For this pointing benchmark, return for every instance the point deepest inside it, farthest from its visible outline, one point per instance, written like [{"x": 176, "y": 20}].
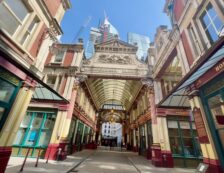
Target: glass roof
[
  {"x": 43, "y": 93},
  {"x": 121, "y": 92},
  {"x": 179, "y": 97}
]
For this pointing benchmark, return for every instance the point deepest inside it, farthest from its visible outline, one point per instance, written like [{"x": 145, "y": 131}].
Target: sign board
[
  {"x": 202, "y": 134},
  {"x": 202, "y": 168}
]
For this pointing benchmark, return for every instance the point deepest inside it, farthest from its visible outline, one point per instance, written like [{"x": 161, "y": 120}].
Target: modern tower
[
  {"x": 142, "y": 42},
  {"x": 105, "y": 32}
]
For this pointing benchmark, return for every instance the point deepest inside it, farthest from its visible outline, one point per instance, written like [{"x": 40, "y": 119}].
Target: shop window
[
  {"x": 8, "y": 91},
  {"x": 211, "y": 22},
  {"x": 35, "y": 130},
  {"x": 183, "y": 138},
  {"x": 16, "y": 13}
]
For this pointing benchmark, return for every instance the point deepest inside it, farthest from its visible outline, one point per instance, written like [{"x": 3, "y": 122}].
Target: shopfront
[
  {"x": 184, "y": 142},
  {"x": 150, "y": 139},
  {"x": 79, "y": 133},
  {"x": 212, "y": 96},
  {"x": 34, "y": 133},
  {"x": 142, "y": 140},
  {"x": 10, "y": 85}
]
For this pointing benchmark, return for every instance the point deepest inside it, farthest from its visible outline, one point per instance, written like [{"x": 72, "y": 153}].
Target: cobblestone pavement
[
  {"x": 89, "y": 161},
  {"x": 121, "y": 162},
  {"x": 15, "y": 163}
]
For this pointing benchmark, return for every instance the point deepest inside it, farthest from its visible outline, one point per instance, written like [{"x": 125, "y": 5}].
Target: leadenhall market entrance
[{"x": 212, "y": 96}]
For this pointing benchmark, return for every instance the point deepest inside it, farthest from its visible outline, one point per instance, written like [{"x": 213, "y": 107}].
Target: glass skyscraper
[
  {"x": 105, "y": 32},
  {"x": 142, "y": 42}
]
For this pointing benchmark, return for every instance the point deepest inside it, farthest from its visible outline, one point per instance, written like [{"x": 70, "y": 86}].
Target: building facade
[
  {"x": 26, "y": 34},
  {"x": 187, "y": 64}
]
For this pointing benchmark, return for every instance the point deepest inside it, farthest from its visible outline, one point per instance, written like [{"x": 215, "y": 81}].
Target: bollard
[
  {"x": 24, "y": 162},
  {"x": 48, "y": 155},
  {"x": 37, "y": 158}
]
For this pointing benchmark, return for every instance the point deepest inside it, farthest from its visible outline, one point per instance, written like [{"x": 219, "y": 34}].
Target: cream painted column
[
  {"x": 146, "y": 135},
  {"x": 15, "y": 117},
  {"x": 208, "y": 149},
  {"x": 134, "y": 138},
  {"x": 163, "y": 133},
  {"x": 76, "y": 128}
]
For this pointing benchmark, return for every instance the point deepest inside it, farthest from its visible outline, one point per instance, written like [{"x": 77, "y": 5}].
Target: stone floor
[{"x": 88, "y": 161}]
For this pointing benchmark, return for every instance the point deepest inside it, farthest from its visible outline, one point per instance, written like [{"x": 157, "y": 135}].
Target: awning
[
  {"x": 44, "y": 93},
  {"x": 178, "y": 97}
]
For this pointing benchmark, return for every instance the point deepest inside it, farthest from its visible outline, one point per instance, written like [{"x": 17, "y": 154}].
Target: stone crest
[{"x": 114, "y": 59}]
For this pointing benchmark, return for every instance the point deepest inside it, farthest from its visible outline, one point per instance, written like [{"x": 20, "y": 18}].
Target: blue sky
[{"x": 138, "y": 16}]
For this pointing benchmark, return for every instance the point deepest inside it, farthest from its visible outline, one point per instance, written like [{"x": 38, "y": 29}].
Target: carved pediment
[
  {"x": 115, "y": 45},
  {"x": 114, "y": 59}
]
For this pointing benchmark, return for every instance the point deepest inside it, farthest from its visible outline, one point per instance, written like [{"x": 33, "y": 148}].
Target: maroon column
[
  {"x": 5, "y": 153},
  {"x": 157, "y": 155},
  {"x": 149, "y": 153},
  {"x": 213, "y": 166}
]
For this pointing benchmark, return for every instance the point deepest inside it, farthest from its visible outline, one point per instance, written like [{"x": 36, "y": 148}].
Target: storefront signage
[
  {"x": 9, "y": 77},
  {"x": 210, "y": 74},
  {"x": 219, "y": 67},
  {"x": 202, "y": 134}
]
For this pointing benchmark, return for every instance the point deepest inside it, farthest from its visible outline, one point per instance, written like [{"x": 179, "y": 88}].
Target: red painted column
[{"x": 5, "y": 153}]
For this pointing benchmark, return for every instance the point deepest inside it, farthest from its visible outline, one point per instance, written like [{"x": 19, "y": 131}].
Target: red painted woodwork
[
  {"x": 5, "y": 153},
  {"x": 200, "y": 126},
  {"x": 149, "y": 153},
  {"x": 52, "y": 151},
  {"x": 210, "y": 74},
  {"x": 167, "y": 159},
  {"x": 38, "y": 41},
  {"x": 166, "y": 112},
  {"x": 187, "y": 48},
  {"x": 213, "y": 166},
  {"x": 161, "y": 158},
  {"x": 68, "y": 58},
  {"x": 156, "y": 155}
]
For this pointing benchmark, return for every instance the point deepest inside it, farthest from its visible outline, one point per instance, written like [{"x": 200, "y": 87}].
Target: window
[
  {"x": 51, "y": 80},
  {"x": 211, "y": 23},
  {"x": 16, "y": 13},
  {"x": 35, "y": 131},
  {"x": 194, "y": 41},
  {"x": 8, "y": 91},
  {"x": 183, "y": 137},
  {"x": 29, "y": 30},
  {"x": 59, "y": 56}
]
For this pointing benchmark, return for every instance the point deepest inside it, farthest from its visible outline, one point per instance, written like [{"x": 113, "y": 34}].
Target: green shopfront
[
  {"x": 34, "y": 133},
  {"x": 212, "y": 96},
  {"x": 10, "y": 85},
  {"x": 184, "y": 142}
]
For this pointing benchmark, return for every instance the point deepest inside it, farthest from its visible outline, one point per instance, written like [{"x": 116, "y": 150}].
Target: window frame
[
  {"x": 181, "y": 138},
  {"x": 207, "y": 37},
  {"x": 62, "y": 59},
  {"x": 36, "y": 144}
]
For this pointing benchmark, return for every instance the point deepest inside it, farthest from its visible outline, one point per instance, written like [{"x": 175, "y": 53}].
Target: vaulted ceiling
[{"x": 111, "y": 91}]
